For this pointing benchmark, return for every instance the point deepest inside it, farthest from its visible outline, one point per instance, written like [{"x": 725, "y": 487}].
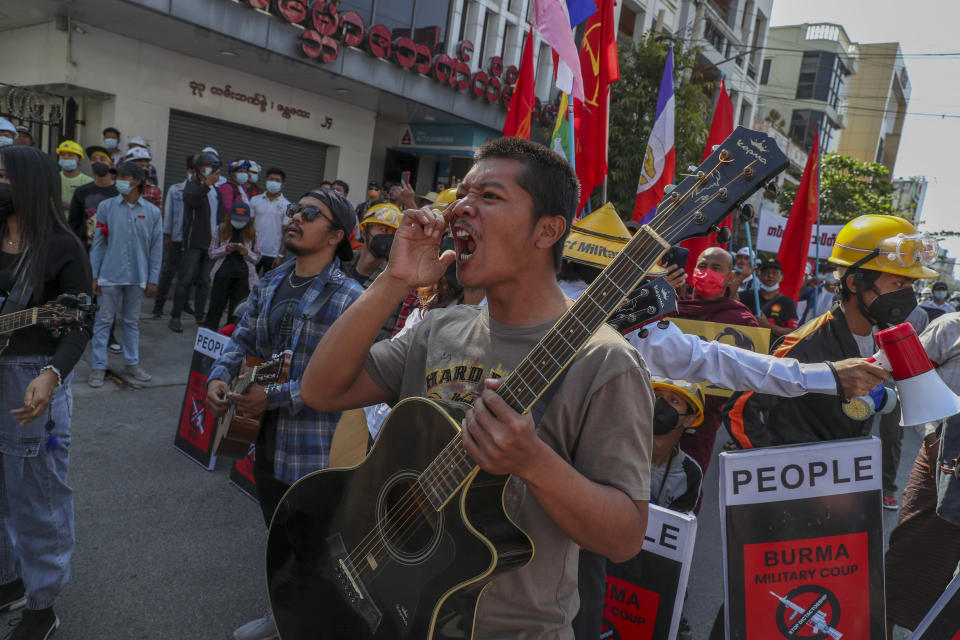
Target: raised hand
[{"x": 414, "y": 257}]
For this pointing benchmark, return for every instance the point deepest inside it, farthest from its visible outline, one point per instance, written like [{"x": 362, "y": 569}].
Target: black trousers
[
  {"x": 171, "y": 263},
  {"x": 227, "y": 292},
  {"x": 194, "y": 267},
  {"x": 265, "y": 264},
  {"x": 269, "y": 489},
  {"x": 891, "y": 443}
]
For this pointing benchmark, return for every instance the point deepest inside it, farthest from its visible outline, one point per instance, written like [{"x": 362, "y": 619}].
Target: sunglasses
[{"x": 309, "y": 213}]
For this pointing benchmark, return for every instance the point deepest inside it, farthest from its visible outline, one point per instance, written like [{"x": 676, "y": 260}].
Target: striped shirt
[{"x": 304, "y": 435}]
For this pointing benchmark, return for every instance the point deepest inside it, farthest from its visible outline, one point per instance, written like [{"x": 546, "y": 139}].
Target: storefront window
[
  {"x": 363, "y": 7},
  {"x": 396, "y": 15},
  {"x": 430, "y": 22}
]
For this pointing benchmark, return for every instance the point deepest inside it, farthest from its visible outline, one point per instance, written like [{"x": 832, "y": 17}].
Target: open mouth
[
  {"x": 465, "y": 242},
  {"x": 293, "y": 229}
]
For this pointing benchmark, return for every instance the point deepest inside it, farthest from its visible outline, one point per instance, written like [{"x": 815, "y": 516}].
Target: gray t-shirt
[{"x": 592, "y": 422}]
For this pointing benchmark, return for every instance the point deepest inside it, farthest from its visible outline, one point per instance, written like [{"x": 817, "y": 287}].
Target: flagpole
[
  {"x": 817, "y": 253},
  {"x": 606, "y": 150},
  {"x": 753, "y": 266}
]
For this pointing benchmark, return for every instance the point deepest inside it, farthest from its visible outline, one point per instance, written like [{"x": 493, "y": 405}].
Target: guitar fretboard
[
  {"x": 530, "y": 379},
  {"x": 18, "y": 320}
]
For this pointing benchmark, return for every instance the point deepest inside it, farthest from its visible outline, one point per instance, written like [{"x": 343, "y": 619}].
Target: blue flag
[{"x": 580, "y": 10}]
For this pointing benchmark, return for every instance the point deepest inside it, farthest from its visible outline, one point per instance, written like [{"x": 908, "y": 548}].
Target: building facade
[
  {"x": 879, "y": 96},
  {"x": 908, "y": 197},
  {"x": 805, "y": 82},
  {"x": 358, "y": 89}
]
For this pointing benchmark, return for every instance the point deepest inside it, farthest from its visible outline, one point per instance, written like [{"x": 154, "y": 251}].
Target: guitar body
[
  {"x": 350, "y": 555},
  {"x": 238, "y": 429}
]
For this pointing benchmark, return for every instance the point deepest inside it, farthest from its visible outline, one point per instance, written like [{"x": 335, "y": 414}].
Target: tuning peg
[
  {"x": 667, "y": 190},
  {"x": 772, "y": 188},
  {"x": 723, "y": 235},
  {"x": 643, "y": 333},
  {"x": 691, "y": 168},
  {"x": 747, "y": 212},
  {"x": 714, "y": 148}
]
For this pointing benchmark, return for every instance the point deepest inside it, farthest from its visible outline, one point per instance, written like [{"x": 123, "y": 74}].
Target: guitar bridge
[{"x": 347, "y": 578}]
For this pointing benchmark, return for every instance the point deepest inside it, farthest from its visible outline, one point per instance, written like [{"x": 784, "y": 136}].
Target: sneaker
[
  {"x": 36, "y": 624},
  {"x": 137, "y": 372},
  {"x": 115, "y": 348},
  {"x": 889, "y": 502},
  {"x": 260, "y": 629},
  {"x": 95, "y": 379},
  {"x": 12, "y": 596}
]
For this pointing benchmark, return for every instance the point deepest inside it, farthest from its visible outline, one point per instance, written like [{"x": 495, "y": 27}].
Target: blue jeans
[
  {"x": 127, "y": 299},
  {"x": 36, "y": 505}
]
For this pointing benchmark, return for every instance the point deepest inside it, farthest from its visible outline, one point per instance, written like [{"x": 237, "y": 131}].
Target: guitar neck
[
  {"x": 536, "y": 372},
  {"x": 18, "y": 320}
]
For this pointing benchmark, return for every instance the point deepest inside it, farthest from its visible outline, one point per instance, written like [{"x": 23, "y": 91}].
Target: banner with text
[
  {"x": 803, "y": 541},
  {"x": 770, "y": 230},
  {"x": 943, "y": 620},
  {"x": 753, "y": 339},
  {"x": 644, "y": 596},
  {"x": 196, "y": 428}
]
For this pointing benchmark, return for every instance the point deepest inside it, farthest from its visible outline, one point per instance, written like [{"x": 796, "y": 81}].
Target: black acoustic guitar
[
  {"x": 401, "y": 546},
  {"x": 57, "y": 316}
]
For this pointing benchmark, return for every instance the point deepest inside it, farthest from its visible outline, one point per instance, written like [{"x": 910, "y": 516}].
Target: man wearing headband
[{"x": 291, "y": 308}]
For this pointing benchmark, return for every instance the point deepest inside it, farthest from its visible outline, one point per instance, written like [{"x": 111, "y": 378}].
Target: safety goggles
[
  {"x": 901, "y": 250},
  {"x": 308, "y": 213}
]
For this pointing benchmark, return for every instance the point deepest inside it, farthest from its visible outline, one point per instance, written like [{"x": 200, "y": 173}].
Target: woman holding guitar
[{"x": 40, "y": 259}]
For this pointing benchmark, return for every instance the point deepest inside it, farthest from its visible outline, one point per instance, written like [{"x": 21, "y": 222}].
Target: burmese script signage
[
  {"x": 257, "y": 100},
  {"x": 325, "y": 31}
]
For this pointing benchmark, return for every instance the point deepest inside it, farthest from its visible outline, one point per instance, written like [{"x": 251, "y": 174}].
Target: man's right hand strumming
[
  {"x": 414, "y": 260},
  {"x": 217, "y": 402}
]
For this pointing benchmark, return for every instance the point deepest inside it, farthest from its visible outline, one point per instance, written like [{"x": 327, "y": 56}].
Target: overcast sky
[{"x": 930, "y": 144}]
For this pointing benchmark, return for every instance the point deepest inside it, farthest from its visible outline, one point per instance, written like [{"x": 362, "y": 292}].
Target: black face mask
[
  {"x": 665, "y": 418},
  {"x": 100, "y": 169},
  {"x": 6, "y": 201},
  {"x": 380, "y": 245},
  {"x": 889, "y": 309}
]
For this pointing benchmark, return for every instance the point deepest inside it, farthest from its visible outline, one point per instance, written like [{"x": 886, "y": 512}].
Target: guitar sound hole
[{"x": 408, "y": 524}]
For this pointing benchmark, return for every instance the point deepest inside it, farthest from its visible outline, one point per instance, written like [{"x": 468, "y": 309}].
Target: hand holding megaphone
[{"x": 923, "y": 395}]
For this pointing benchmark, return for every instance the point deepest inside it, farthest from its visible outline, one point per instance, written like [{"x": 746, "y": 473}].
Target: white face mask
[
  {"x": 273, "y": 186},
  {"x": 254, "y": 177},
  {"x": 771, "y": 287}
]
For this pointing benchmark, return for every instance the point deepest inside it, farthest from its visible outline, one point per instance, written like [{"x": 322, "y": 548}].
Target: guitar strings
[
  {"x": 460, "y": 455},
  {"x": 410, "y": 502}
]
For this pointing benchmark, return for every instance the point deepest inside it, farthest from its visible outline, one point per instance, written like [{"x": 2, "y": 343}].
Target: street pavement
[{"x": 167, "y": 550}]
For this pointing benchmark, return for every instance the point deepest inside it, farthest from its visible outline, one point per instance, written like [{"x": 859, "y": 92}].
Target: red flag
[
  {"x": 521, "y": 103},
  {"x": 720, "y": 130},
  {"x": 795, "y": 244},
  {"x": 600, "y": 67}
]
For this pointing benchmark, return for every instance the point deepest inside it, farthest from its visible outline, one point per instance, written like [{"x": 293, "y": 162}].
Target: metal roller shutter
[{"x": 303, "y": 161}]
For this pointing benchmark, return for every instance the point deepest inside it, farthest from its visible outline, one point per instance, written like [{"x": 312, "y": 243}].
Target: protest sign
[
  {"x": 803, "y": 541},
  {"x": 644, "y": 596},
  {"x": 241, "y": 474},
  {"x": 750, "y": 338},
  {"x": 195, "y": 430},
  {"x": 771, "y": 227}
]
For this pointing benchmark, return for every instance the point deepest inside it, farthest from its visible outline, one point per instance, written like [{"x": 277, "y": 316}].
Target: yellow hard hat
[
  {"x": 885, "y": 243},
  {"x": 69, "y": 146},
  {"x": 597, "y": 238},
  {"x": 691, "y": 391},
  {"x": 444, "y": 198},
  {"x": 383, "y": 213}
]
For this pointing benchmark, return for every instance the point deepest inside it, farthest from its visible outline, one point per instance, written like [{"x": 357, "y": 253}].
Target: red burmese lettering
[
  {"x": 493, "y": 90},
  {"x": 460, "y": 79},
  {"x": 352, "y": 29},
  {"x": 511, "y": 75},
  {"x": 323, "y": 16},
  {"x": 258, "y": 4},
  {"x": 464, "y": 49},
  {"x": 442, "y": 69},
  {"x": 505, "y": 96},
  {"x": 495, "y": 66},
  {"x": 378, "y": 41},
  {"x": 479, "y": 84},
  {"x": 311, "y": 43},
  {"x": 293, "y": 11},
  {"x": 404, "y": 52},
  {"x": 423, "y": 60},
  {"x": 549, "y": 115}
]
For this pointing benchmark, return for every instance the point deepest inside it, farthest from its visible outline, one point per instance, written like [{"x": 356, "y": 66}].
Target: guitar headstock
[
  {"x": 67, "y": 310},
  {"x": 275, "y": 370},
  {"x": 738, "y": 167},
  {"x": 647, "y": 303}
]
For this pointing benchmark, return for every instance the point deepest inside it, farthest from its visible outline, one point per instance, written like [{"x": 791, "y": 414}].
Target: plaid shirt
[
  {"x": 303, "y": 435},
  {"x": 152, "y": 194}
]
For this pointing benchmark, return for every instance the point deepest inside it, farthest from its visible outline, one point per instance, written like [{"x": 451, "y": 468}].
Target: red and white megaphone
[{"x": 923, "y": 395}]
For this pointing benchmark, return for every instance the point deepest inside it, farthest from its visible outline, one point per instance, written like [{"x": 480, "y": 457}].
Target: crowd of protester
[{"x": 218, "y": 238}]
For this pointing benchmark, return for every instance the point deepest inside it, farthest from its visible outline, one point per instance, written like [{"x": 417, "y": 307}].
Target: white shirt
[
  {"x": 944, "y": 306},
  {"x": 671, "y": 353},
  {"x": 268, "y": 217}
]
